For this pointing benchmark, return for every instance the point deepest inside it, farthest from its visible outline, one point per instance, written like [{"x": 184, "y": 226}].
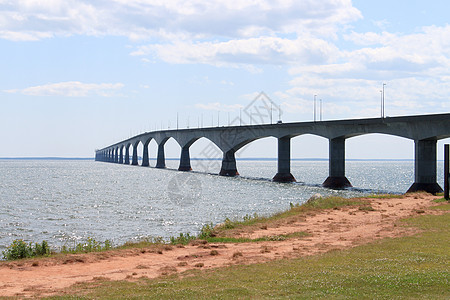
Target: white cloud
[
  {"x": 312, "y": 38},
  {"x": 235, "y": 33},
  {"x": 414, "y": 66},
  {"x": 138, "y": 19},
  {"x": 261, "y": 50},
  {"x": 70, "y": 89}
]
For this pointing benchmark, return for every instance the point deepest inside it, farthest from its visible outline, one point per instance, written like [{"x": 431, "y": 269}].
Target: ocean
[{"x": 68, "y": 201}]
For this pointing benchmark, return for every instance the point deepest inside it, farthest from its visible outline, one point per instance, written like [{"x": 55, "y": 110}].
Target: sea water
[{"x": 65, "y": 202}]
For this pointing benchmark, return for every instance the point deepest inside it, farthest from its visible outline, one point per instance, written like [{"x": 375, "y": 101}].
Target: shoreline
[{"x": 325, "y": 230}]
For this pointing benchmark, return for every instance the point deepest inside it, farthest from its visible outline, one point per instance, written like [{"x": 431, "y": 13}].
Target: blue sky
[{"x": 79, "y": 75}]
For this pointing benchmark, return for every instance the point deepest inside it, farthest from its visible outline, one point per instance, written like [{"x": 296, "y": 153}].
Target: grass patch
[
  {"x": 91, "y": 245},
  {"x": 440, "y": 200},
  {"x": 295, "y": 210},
  {"x": 415, "y": 267},
  {"x": 281, "y": 237},
  {"x": 385, "y": 196},
  {"x": 19, "y": 249},
  {"x": 444, "y": 206}
]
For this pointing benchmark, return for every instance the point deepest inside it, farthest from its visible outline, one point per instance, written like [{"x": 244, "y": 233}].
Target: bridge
[{"x": 425, "y": 130}]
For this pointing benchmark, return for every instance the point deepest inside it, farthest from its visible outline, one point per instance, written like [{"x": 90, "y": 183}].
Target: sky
[{"x": 76, "y": 76}]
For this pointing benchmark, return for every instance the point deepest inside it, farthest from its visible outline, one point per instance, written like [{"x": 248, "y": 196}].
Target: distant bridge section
[{"x": 425, "y": 130}]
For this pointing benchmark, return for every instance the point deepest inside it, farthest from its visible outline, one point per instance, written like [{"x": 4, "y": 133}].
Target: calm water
[{"x": 66, "y": 201}]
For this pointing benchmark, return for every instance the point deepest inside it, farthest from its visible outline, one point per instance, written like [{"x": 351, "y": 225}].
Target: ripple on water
[{"x": 73, "y": 200}]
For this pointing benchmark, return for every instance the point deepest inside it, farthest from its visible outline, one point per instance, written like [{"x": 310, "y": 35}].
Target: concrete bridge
[{"x": 425, "y": 130}]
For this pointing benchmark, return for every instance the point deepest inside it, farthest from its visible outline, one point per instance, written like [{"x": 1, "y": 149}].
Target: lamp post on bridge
[{"x": 382, "y": 102}]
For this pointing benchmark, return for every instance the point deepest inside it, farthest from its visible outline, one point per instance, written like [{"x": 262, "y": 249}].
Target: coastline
[{"x": 325, "y": 230}]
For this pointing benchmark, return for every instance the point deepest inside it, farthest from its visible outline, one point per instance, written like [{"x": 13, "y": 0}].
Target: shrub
[
  {"x": 183, "y": 239},
  {"x": 91, "y": 245},
  {"x": 20, "y": 249},
  {"x": 207, "y": 231}
]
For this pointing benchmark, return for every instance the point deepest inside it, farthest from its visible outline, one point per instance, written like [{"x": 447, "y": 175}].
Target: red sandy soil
[{"x": 328, "y": 230}]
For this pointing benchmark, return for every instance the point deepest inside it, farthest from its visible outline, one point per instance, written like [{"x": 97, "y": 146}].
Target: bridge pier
[
  {"x": 185, "y": 160},
  {"x": 336, "y": 178},
  {"x": 145, "y": 158},
  {"x": 127, "y": 155},
  {"x": 121, "y": 155},
  {"x": 134, "y": 161},
  {"x": 161, "y": 159},
  {"x": 425, "y": 167},
  {"x": 229, "y": 164},
  {"x": 284, "y": 161},
  {"x": 116, "y": 155}
]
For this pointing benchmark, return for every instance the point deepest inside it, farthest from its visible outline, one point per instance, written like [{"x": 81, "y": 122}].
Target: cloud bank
[{"x": 315, "y": 41}]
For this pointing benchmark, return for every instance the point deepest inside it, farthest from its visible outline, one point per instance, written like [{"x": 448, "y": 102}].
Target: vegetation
[
  {"x": 295, "y": 210},
  {"x": 415, "y": 267},
  {"x": 91, "y": 245},
  {"x": 214, "y": 234},
  {"x": 182, "y": 239},
  {"x": 20, "y": 249}
]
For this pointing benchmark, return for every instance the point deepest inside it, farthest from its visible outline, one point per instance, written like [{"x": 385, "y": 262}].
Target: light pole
[
  {"x": 279, "y": 113},
  {"x": 315, "y": 107},
  {"x": 383, "y": 100},
  {"x": 381, "y": 105}
]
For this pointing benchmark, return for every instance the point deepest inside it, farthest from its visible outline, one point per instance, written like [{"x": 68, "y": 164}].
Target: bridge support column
[
  {"x": 161, "y": 159},
  {"x": 425, "y": 167},
  {"x": 228, "y": 164},
  {"x": 336, "y": 178},
  {"x": 121, "y": 155},
  {"x": 185, "y": 160},
  {"x": 145, "y": 159},
  {"x": 134, "y": 161},
  {"x": 284, "y": 161},
  {"x": 116, "y": 156},
  {"x": 127, "y": 155}
]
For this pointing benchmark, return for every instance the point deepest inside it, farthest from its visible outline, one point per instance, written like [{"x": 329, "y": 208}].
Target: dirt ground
[{"x": 327, "y": 230}]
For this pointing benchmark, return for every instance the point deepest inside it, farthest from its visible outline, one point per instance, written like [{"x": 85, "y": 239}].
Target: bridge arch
[
  {"x": 244, "y": 142},
  {"x": 207, "y": 155},
  {"x": 381, "y": 152},
  {"x": 309, "y": 163}
]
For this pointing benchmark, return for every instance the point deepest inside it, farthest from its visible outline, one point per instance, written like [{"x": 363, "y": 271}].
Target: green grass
[
  {"x": 385, "y": 196},
  {"x": 440, "y": 200},
  {"x": 295, "y": 210},
  {"x": 281, "y": 237},
  {"x": 415, "y": 267}
]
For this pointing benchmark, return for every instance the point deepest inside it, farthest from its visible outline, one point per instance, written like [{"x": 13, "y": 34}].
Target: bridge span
[{"x": 425, "y": 130}]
